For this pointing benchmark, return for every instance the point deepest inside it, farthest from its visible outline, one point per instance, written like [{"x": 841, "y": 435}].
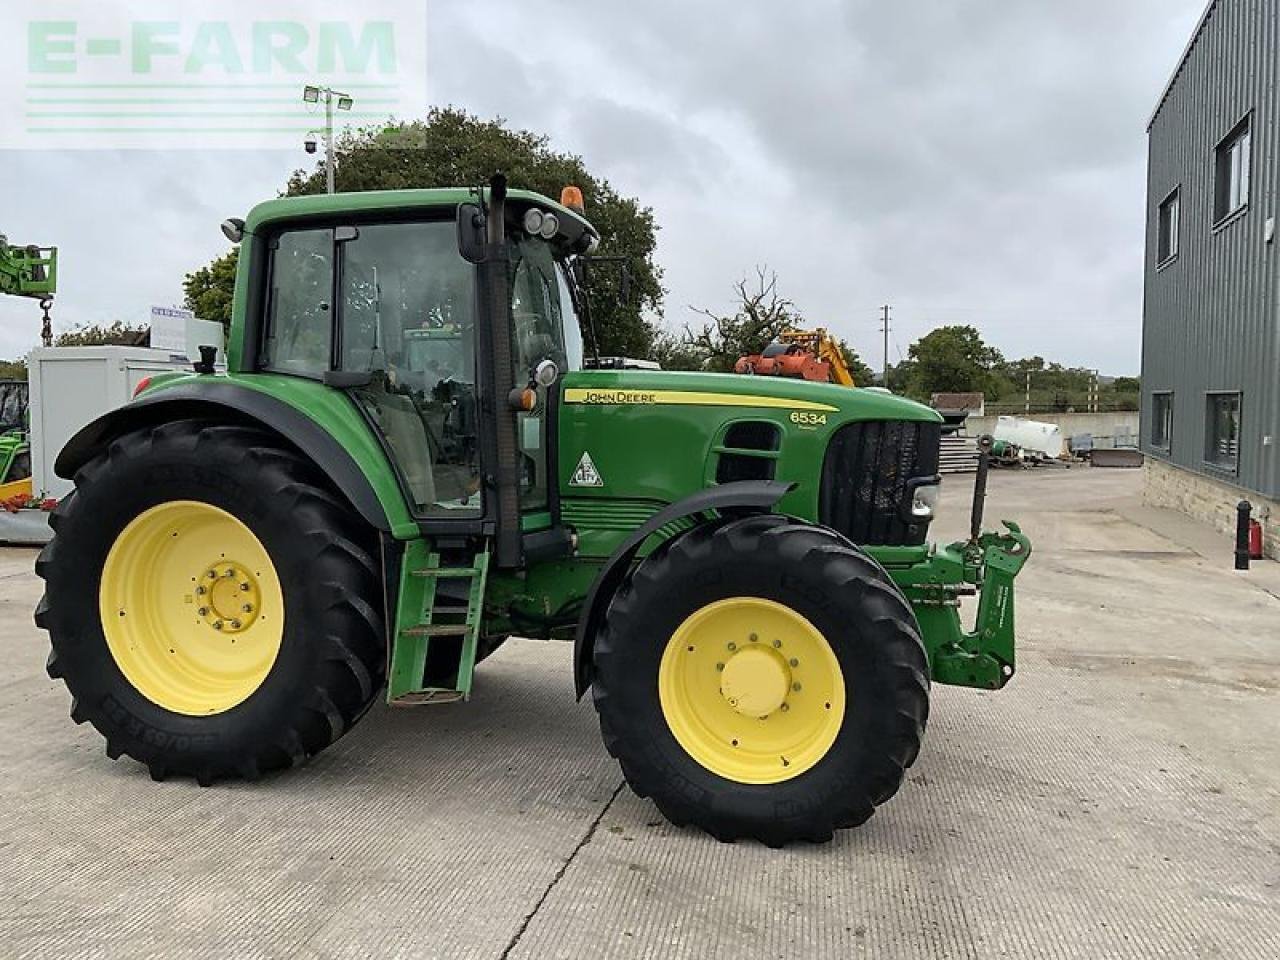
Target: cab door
[{"x": 545, "y": 327}]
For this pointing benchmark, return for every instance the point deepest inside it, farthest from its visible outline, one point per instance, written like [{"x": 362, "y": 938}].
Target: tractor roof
[{"x": 399, "y": 201}]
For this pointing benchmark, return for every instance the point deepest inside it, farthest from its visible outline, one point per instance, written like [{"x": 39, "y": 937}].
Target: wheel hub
[
  {"x": 191, "y": 607},
  {"x": 229, "y": 597},
  {"x": 751, "y": 690},
  {"x": 755, "y": 681}
]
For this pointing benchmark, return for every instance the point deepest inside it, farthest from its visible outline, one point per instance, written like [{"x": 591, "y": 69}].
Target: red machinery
[
  {"x": 803, "y": 354},
  {"x": 785, "y": 360}
]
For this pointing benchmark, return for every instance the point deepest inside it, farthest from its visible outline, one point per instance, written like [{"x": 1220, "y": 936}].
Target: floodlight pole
[
  {"x": 328, "y": 140},
  {"x": 328, "y": 94}
]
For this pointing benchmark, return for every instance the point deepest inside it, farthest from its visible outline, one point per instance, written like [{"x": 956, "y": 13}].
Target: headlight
[
  {"x": 924, "y": 500},
  {"x": 533, "y": 221}
]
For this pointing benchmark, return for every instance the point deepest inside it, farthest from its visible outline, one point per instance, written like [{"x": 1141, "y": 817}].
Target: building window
[
  {"x": 1222, "y": 430},
  {"x": 1167, "y": 228},
  {"x": 1231, "y": 171},
  {"x": 1161, "y": 419}
]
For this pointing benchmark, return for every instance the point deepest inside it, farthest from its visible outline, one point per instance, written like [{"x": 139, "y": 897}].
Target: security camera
[{"x": 310, "y": 144}]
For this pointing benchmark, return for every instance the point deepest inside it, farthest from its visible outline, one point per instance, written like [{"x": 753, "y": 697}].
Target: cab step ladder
[{"x": 433, "y": 654}]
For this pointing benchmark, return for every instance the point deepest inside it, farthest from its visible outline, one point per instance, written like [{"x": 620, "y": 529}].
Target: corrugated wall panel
[{"x": 1211, "y": 318}]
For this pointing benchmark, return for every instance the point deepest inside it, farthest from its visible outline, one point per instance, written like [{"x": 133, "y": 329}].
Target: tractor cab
[{"x": 388, "y": 304}]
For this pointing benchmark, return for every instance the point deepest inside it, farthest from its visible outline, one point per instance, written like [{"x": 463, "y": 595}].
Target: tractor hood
[
  {"x": 740, "y": 393},
  {"x": 633, "y": 440}
]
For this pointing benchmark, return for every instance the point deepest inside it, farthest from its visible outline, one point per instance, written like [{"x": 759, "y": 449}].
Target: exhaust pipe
[{"x": 499, "y": 367}]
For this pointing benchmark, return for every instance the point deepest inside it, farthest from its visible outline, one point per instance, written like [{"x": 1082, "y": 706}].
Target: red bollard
[{"x": 1255, "y": 540}]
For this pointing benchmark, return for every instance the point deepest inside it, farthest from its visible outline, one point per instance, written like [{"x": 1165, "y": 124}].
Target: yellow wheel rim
[
  {"x": 751, "y": 690},
  {"x": 191, "y": 607}
]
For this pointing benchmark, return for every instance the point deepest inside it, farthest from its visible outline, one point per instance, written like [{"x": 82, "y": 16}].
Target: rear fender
[{"x": 207, "y": 398}]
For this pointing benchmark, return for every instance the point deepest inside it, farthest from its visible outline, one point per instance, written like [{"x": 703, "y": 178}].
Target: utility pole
[
  {"x": 344, "y": 101},
  {"x": 885, "y": 327},
  {"x": 1027, "y": 404}
]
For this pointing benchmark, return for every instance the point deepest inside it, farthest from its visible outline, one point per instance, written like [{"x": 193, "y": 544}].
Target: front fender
[
  {"x": 224, "y": 398},
  {"x": 758, "y": 495}
]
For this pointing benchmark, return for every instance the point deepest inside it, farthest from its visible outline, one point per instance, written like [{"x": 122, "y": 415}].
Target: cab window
[
  {"x": 541, "y": 310},
  {"x": 299, "y": 308},
  {"x": 407, "y": 312}
]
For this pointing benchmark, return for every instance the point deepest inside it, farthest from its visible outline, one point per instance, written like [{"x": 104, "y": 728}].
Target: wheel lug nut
[
  {"x": 785, "y": 707},
  {"x": 719, "y": 666},
  {"x": 229, "y": 573},
  {"x": 203, "y": 611},
  {"x": 777, "y": 643},
  {"x": 235, "y": 624},
  {"x": 794, "y": 662},
  {"x": 217, "y": 624},
  {"x": 212, "y": 575},
  {"x": 247, "y": 608},
  {"x": 244, "y": 587},
  {"x": 200, "y": 591},
  {"x": 795, "y": 687},
  {"x": 754, "y": 638},
  {"x": 732, "y": 645}
]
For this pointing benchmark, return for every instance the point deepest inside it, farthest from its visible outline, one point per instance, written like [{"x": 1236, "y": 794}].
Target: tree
[
  {"x": 118, "y": 334},
  {"x": 863, "y": 375},
  {"x": 954, "y": 360},
  {"x": 13, "y": 369},
  {"x": 210, "y": 290},
  {"x": 454, "y": 148},
  {"x": 761, "y": 316}
]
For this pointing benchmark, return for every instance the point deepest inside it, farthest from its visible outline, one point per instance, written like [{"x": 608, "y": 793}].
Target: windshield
[{"x": 546, "y": 324}]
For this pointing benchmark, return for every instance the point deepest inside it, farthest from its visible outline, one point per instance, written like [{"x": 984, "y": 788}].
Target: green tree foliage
[
  {"x": 953, "y": 360},
  {"x": 118, "y": 334},
  {"x": 956, "y": 360},
  {"x": 863, "y": 375},
  {"x": 209, "y": 290},
  {"x": 13, "y": 369},
  {"x": 452, "y": 148}
]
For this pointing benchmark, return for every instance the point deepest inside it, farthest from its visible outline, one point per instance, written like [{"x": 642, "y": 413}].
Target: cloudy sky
[{"x": 966, "y": 162}]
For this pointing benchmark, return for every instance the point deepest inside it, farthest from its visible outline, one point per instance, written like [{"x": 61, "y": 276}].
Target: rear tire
[
  {"x": 840, "y": 603},
  {"x": 329, "y": 660}
]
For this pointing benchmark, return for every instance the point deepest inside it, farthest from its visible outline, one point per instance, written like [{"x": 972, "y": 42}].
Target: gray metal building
[{"x": 1211, "y": 315}]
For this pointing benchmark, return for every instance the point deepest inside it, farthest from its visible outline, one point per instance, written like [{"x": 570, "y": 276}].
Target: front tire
[
  {"x": 762, "y": 678},
  {"x": 212, "y": 607}
]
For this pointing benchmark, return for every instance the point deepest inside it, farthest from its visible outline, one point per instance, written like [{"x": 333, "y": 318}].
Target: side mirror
[{"x": 471, "y": 232}]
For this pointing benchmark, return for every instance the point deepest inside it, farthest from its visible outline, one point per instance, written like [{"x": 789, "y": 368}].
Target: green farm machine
[
  {"x": 412, "y": 456},
  {"x": 25, "y": 271}
]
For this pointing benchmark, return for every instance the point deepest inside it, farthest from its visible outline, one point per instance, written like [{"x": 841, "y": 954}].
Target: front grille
[{"x": 865, "y": 476}]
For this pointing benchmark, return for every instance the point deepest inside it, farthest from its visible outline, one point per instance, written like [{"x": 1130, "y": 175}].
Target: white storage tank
[{"x": 1031, "y": 436}]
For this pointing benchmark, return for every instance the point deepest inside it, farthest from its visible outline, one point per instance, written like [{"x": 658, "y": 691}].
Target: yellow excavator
[{"x": 804, "y": 354}]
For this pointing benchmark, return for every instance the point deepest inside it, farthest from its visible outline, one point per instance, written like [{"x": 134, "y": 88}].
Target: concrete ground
[{"x": 1121, "y": 798}]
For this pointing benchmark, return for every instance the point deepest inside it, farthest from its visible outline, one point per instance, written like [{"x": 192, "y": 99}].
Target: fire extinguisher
[{"x": 1255, "y": 540}]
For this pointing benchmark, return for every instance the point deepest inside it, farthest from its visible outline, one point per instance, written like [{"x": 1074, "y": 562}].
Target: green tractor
[{"x": 410, "y": 458}]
